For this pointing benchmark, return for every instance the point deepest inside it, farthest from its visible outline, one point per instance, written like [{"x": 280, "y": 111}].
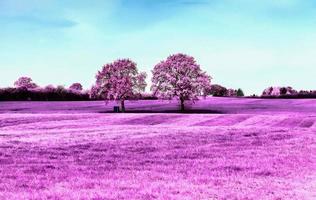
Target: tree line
[{"x": 179, "y": 77}]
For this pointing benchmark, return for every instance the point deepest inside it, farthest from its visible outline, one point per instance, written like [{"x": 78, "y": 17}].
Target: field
[{"x": 236, "y": 149}]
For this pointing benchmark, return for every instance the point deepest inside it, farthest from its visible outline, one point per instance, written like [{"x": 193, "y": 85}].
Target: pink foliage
[
  {"x": 181, "y": 77},
  {"x": 231, "y": 92},
  {"x": 278, "y": 91},
  {"x": 49, "y": 88},
  {"x": 94, "y": 92},
  {"x": 76, "y": 87},
  {"x": 25, "y": 82},
  {"x": 119, "y": 80}
]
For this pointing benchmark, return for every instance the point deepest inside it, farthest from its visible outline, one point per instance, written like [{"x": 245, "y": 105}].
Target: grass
[{"x": 52, "y": 152}]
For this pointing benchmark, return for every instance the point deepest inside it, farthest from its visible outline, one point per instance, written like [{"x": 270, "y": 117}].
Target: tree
[
  {"x": 218, "y": 90},
  {"x": 267, "y": 91},
  {"x": 119, "y": 81},
  {"x": 93, "y": 92},
  {"x": 279, "y": 91},
  {"x": 181, "y": 77},
  {"x": 231, "y": 92},
  {"x": 25, "y": 83},
  {"x": 240, "y": 93},
  {"x": 49, "y": 88},
  {"x": 76, "y": 87},
  {"x": 283, "y": 90}
]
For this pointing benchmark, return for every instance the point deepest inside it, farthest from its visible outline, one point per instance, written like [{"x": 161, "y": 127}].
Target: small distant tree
[
  {"x": 94, "y": 92},
  {"x": 291, "y": 91},
  {"x": 267, "y": 91},
  {"x": 283, "y": 90},
  {"x": 49, "y": 88},
  {"x": 231, "y": 93},
  {"x": 181, "y": 77},
  {"x": 240, "y": 93},
  {"x": 218, "y": 90},
  {"x": 25, "y": 83},
  {"x": 279, "y": 91},
  {"x": 119, "y": 81},
  {"x": 271, "y": 91},
  {"x": 76, "y": 87}
]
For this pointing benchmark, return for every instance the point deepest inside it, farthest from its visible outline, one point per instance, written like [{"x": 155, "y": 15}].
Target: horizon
[{"x": 241, "y": 44}]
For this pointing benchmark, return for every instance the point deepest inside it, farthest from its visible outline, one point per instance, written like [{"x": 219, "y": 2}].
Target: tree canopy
[
  {"x": 119, "y": 81},
  {"x": 181, "y": 77}
]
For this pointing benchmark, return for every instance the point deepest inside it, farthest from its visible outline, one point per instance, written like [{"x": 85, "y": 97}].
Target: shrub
[
  {"x": 76, "y": 87},
  {"x": 240, "y": 93},
  {"x": 41, "y": 94},
  {"x": 25, "y": 83},
  {"x": 218, "y": 90}
]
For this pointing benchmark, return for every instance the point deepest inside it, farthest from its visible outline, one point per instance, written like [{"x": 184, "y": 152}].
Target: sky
[{"x": 248, "y": 44}]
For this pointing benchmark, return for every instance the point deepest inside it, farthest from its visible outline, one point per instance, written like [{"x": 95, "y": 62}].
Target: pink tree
[
  {"x": 94, "y": 92},
  {"x": 76, "y": 87},
  {"x": 25, "y": 82},
  {"x": 180, "y": 76},
  {"x": 119, "y": 81},
  {"x": 49, "y": 88}
]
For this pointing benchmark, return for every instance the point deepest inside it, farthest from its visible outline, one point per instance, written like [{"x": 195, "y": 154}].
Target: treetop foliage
[
  {"x": 119, "y": 80},
  {"x": 180, "y": 76}
]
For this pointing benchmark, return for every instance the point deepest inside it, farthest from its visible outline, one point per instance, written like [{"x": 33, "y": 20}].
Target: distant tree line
[
  {"x": 221, "y": 91},
  {"x": 287, "y": 92},
  {"x": 177, "y": 77},
  {"x": 26, "y": 90}
]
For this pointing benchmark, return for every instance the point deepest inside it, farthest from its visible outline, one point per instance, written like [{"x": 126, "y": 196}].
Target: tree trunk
[
  {"x": 182, "y": 104},
  {"x": 122, "y": 106}
]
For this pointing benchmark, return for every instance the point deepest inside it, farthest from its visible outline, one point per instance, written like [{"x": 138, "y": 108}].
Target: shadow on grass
[{"x": 196, "y": 111}]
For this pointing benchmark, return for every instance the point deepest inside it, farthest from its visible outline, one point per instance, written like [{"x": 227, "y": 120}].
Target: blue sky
[{"x": 249, "y": 44}]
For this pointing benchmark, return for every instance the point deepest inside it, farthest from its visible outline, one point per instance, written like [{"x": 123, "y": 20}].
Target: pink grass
[{"x": 262, "y": 149}]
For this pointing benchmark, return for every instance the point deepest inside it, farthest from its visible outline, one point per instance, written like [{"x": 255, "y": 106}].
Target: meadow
[{"x": 221, "y": 148}]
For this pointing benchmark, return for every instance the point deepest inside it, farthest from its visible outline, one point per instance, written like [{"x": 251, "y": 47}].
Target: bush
[
  {"x": 218, "y": 90},
  {"x": 25, "y": 83},
  {"x": 76, "y": 87},
  {"x": 41, "y": 94},
  {"x": 240, "y": 93}
]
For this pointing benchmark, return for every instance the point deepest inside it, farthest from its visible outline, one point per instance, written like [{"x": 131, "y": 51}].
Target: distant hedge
[
  {"x": 292, "y": 96},
  {"x": 53, "y": 94}
]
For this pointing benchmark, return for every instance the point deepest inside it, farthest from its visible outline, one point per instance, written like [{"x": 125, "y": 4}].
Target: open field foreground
[{"x": 247, "y": 149}]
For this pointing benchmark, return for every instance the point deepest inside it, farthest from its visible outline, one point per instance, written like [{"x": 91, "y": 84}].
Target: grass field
[{"x": 236, "y": 149}]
